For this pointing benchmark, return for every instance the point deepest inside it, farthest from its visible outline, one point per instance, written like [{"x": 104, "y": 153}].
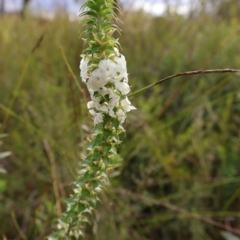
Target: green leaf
[
  {"x": 96, "y": 154},
  {"x": 115, "y": 138},
  {"x": 107, "y": 133},
  {"x": 106, "y": 147},
  {"x": 95, "y": 48},
  {"x": 95, "y": 184},
  {"x": 92, "y": 13},
  {"x": 116, "y": 123},
  {"x": 93, "y": 6},
  {"x": 96, "y": 142},
  {"x": 88, "y": 160},
  {"x": 81, "y": 207},
  {"x": 85, "y": 193},
  {"x": 3, "y": 185},
  {"x": 84, "y": 179},
  {"x": 106, "y": 160},
  {"x": 113, "y": 150}
]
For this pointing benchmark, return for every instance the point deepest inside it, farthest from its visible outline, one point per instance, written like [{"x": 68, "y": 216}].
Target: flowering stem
[
  {"x": 104, "y": 71},
  {"x": 225, "y": 70}
]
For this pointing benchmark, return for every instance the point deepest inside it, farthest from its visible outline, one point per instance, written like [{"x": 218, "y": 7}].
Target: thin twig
[
  {"x": 72, "y": 73},
  {"x": 77, "y": 110},
  {"x": 38, "y": 43},
  {"x": 190, "y": 73},
  {"x": 226, "y": 70},
  {"x": 22, "y": 235},
  {"x": 54, "y": 176},
  {"x": 4, "y": 237},
  {"x": 172, "y": 99},
  {"x": 178, "y": 209}
]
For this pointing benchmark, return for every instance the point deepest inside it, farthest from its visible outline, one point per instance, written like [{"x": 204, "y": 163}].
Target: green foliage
[
  {"x": 182, "y": 144},
  {"x": 99, "y": 43},
  {"x": 48, "y": 107}
]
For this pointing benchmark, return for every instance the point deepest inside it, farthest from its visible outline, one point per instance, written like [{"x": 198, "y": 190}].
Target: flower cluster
[{"x": 108, "y": 86}]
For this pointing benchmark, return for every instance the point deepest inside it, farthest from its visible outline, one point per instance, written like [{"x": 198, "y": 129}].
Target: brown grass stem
[
  {"x": 190, "y": 73},
  {"x": 174, "y": 208},
  {"x": 54, "y": 175},
  {"x": 21, "y": 234},
  {"x": 72, "y": 73}
]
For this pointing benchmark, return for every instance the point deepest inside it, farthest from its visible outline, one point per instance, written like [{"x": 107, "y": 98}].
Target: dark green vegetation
[{"x": 180, "y": 174}]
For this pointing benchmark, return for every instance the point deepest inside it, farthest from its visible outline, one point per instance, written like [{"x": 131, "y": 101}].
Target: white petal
[
  {"x": 126, "y": 105},
  {"x": 123, "y": 87},
  {"x": 90, "y": 104},
  {"x": 98, "y": 118},
  {"x": 103, "y": 108},
  {"x": 121, "y": 115},
  {"x": 84, "y": 70}
]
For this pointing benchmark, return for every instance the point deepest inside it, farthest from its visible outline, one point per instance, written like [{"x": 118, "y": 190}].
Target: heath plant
[{"x": 103, "y": 70}]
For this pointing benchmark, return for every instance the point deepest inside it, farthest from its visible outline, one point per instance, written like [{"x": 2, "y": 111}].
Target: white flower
[
  {"x": 121, "y": 115},
  {"x": 98, "y": 189},
  {"x": 107, "y": 84},
  {"x": 126, "y": 105},
  {"x": 123, "y": 87},
  {"x": 96, "y": 103},
  {"x": 84, "y": 70},
  {"x": 98, "y": 118},
  {"x": 103, "y": 108},
  {"x": 114, "y": 101},
  {"x": 90, "y": 106},
  {"x": 97, "y": 79},
  {"x": 106, "y": 91},
  {"x": 108, "y": 68},
  {"x": 121, "y": 64}
]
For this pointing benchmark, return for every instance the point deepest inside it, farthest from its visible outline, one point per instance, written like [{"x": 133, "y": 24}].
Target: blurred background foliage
[{"x": 180, "y": 174}]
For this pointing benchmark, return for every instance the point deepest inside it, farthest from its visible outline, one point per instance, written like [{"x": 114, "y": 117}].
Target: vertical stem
[
  {"x": 54, "y": 176},
  {"x": 21, "y": 234}
]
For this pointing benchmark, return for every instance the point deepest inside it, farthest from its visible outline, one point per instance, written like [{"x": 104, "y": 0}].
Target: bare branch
[
  {"x": 226, "y": 70},
  {"x": 177, "y": 209},
  {"x": 54, "y": 175},
  {"x": 190, "y": 73}
]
